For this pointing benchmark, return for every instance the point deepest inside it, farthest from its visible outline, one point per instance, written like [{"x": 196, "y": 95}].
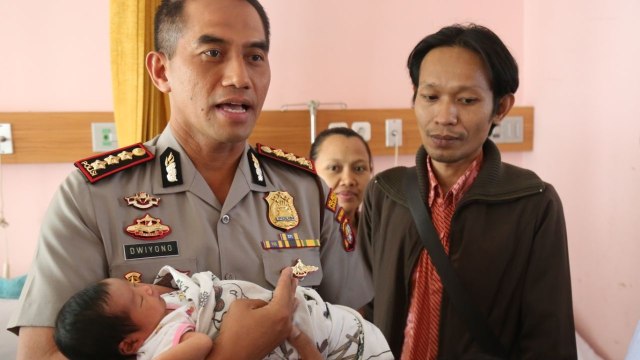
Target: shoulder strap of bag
[{"x": 476, "y": 321}]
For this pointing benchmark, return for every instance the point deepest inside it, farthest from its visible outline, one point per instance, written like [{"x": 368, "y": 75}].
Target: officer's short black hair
[{"x": 169, "y": 21}]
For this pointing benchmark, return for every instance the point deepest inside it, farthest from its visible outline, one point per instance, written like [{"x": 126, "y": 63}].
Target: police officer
[{"x": 197, "y": 197}]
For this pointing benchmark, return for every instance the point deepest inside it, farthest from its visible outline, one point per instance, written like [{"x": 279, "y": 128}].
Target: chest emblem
[
  {"x": 142, "y": 200},
  {"x": 133, "y": 277},
  {"x": 282, "y": 214},
  {"x": 301, "y": 270},
  {"x": 148, "y": 228}
]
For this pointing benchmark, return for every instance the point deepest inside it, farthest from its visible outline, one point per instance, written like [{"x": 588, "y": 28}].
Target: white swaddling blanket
[{"x": 338, "y": 331}]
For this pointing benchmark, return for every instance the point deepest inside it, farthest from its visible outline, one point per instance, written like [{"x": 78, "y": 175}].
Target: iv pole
[{"x": 313, "y": 106}]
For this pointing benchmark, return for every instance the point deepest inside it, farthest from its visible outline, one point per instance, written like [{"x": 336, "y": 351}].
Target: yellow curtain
[{"x": 140, "y": 110}]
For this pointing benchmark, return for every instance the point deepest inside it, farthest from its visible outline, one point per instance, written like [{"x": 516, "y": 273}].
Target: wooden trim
[
  {"x": 51, "y": 137},
  {"x": 289, "y": 130},
  {"x": 66, "y": 136}
]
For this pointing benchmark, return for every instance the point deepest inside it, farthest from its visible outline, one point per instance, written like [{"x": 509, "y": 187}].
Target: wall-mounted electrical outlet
[
  {"x": 363, "y": 128},
  {"x": 393, "y": 132},
  {"x": 103, "y": 136},
  {"x": 6, "y": 143},
  {"x": 510, "y": 130}
]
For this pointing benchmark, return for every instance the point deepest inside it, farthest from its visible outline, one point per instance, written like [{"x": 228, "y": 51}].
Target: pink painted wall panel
[{"x": 582, "y": 77}]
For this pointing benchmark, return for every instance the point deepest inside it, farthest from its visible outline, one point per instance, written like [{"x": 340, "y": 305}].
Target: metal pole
[
  {"x": 313, "y": 111},
  {"x": 313, "y": 106}
]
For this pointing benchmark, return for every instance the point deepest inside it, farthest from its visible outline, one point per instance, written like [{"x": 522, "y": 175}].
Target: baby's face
[{"x": 141, "y": 302}]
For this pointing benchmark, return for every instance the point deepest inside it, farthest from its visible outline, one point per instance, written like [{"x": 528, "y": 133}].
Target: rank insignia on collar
[
  {"x": 301, "y": 270},
  {"x": 348, "y": 235},
  {"x": 256, "y": 171},
  {"x": 282, "y": 214},
  {"x": 133, "y": 277},
  {"x": 148, "y": 228},
  {"x": 171, "y": 169},
  {"x": 100, "y": 166},
  {"x": 332, "y": 201},
  {"x": 287, "y": 158},
  {"x": 142, "y": 200}
]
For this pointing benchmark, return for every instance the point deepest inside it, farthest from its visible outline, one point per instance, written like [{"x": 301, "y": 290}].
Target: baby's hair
[{"x": 85, "y": 330}]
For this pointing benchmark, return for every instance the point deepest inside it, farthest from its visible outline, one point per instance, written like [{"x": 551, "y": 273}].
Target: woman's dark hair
[
  {"x": 500, "y": 64},
  {"x": 344, "y": 131},
  {"x": 168, "y": 24},
  {"x": 85, "y": 330}
]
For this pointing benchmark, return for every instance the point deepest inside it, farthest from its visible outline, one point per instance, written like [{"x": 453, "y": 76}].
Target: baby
[{"x": 117, "y": 319}]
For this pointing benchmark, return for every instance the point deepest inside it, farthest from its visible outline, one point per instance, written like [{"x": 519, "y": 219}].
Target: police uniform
[{"x": 127, "y": 213}]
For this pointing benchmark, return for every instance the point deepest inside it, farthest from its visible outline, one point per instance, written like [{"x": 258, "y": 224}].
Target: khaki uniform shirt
[{"x": 84, "y": 235}]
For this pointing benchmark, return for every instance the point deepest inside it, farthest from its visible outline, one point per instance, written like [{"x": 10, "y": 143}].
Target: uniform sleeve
[
  {"x": 548, "y": 330},
  {"x": 346, "y": 278},
  {"x": 69, "y": 256}
]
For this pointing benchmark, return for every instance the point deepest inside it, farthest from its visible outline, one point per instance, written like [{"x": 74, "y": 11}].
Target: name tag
[{"x": 151, "y": 250}]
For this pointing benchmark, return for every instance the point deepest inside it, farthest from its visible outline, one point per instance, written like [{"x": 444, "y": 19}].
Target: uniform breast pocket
[
  {"x": 277, "y": 259},
  {"x": 146, "y": 270}
]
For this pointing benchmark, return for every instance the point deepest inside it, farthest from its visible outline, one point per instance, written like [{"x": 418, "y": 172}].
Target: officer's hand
[
  {"x": 253, "y": 328},
  {"x": 284, "y": 296}
]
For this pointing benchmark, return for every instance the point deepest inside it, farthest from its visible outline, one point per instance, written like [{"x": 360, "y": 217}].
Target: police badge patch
[
  {"x": 282, "y": 213},
  {"x": 142, "y": 200}
]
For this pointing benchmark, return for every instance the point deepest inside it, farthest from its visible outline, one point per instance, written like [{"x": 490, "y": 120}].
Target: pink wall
[
  {"x": 581, "y": 73},
  {"x": 55, "y": 57},
  {"x": 579, "y": 70}
]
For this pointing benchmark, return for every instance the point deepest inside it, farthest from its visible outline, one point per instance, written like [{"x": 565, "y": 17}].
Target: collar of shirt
[
  {"x": 459, "y": 188},
  {"x": 194, "y": 182}
]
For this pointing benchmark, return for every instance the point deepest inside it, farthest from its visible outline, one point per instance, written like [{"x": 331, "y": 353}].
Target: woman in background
[{"x": 343, "y": 160}]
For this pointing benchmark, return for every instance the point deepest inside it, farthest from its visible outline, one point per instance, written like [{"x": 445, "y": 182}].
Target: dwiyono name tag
[{"x": 151, "y": 250}]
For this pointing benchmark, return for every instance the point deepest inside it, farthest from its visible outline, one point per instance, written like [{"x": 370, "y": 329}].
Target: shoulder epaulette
[
  {"x": 287, "y": 158},
  {"x": 102, "y": 165}
]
